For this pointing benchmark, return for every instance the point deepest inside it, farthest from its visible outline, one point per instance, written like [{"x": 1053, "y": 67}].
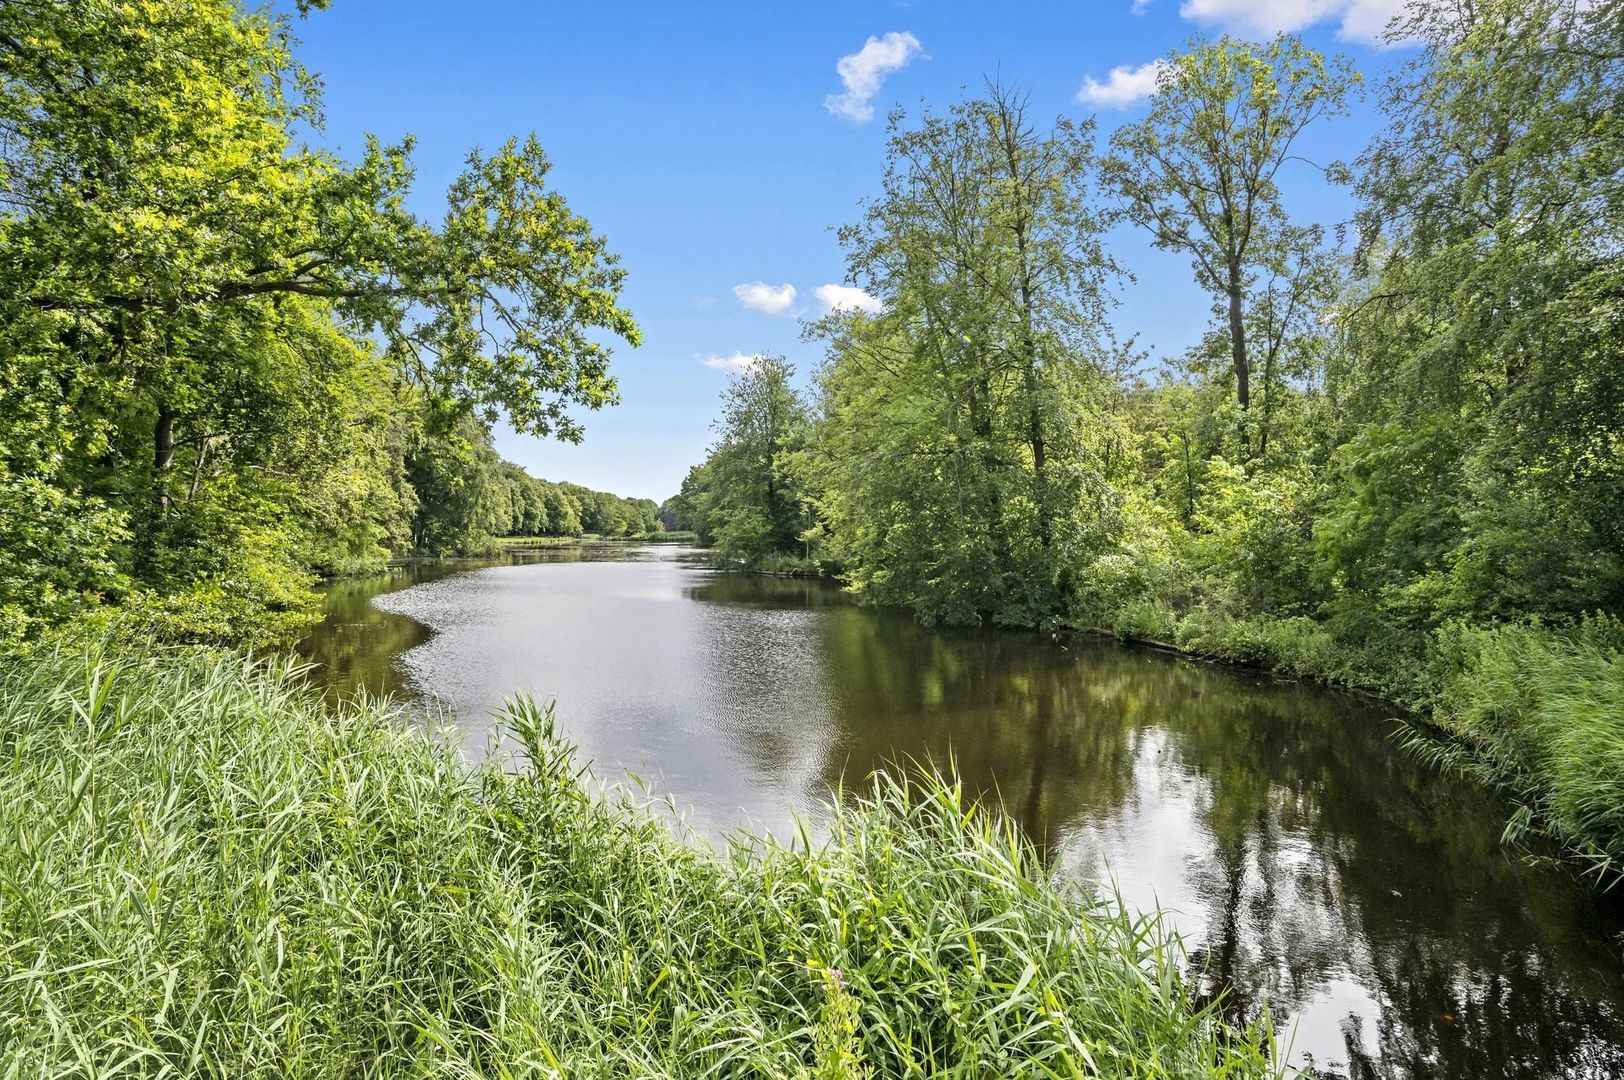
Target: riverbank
[
  {"x": 1535, "y": 711},
  {"x": 217, "y": 874}
]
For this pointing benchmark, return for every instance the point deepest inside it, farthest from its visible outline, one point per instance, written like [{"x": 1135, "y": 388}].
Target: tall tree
[
  {"x": 160, "y": 215},
  {"x": 753, "y": 503},
  {"x": 186, "y": 280},
  {"x": 1200, "y": 170},
  {"x": 1481, "y": 387},
  {"x": 961, "y": 474}
]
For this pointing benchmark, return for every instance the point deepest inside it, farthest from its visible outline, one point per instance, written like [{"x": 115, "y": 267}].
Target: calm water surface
[{"x": 1304, "y": 858}]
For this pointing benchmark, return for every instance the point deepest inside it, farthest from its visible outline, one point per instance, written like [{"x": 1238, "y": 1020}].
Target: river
[{"x": 1306, "y": 860}]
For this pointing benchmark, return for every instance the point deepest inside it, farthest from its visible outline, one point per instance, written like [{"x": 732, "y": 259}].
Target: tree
[
  {"x": 1200, "y": 173},
  {"x": 457, "y": 477},
  {"x": 160, "y": 211},
  {"x": 747, "y": 498},
  {"x": 563, "y": 513},
  {"x": 1480, "y": 387},
  {"x": 192, "y": 292},
  {"x": 960, "y": 474}
]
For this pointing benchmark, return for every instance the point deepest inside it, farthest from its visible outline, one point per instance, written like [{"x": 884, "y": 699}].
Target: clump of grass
[
  {"x": 784, "y": 564},
  {"x": 1539, "y": 711},
  {"x": 504, "y": 543},
  {"x": 203, "y": 872}
]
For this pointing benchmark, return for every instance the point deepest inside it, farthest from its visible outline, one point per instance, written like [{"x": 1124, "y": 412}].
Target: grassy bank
[
  {"x": 1540, "y": 713},
  {"x": 507, "y": 543},
  {"x": 1536, "y": 711},
  {"x": 202, "y": 873}
]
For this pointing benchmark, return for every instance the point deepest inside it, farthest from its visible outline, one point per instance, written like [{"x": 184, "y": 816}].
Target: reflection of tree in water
[
  {"x": 357, "y": 646},
  {"x": 1334, "y": 856},
  {"x": 1320, "y": 854},
  {"x": 768, "y": 686},
  {"x": 1005, "y": 710},
  {"x": 764, "y": 591}
]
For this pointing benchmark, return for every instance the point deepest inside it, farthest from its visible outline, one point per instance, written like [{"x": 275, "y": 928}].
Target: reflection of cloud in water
[
  {"x": 724, "y": 708},
  {"x": 1130, "y": 846},
  {"x": 1242, "y": 907},
  {"x": 767, "y": 690}
]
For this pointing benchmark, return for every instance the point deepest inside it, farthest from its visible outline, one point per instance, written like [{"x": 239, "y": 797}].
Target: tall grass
[
  {"x": 205, "y": 874},
  {"x": 1540, "y": 712}
]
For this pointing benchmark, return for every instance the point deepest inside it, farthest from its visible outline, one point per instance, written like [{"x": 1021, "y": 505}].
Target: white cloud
[
  {"x": 863, "y": 72},
  {"x": 1360, "y": 20},
  {"x": 846, "y": 298},
  {"x": 1139, "y": 6},
  {"x": 1123, "y": 86},
  {"x": 1366, "y": 20},
  {"x": 737, "y": 364},
  {"x": 1260, "y": 16},
  {"x": 760, "y": 296}
]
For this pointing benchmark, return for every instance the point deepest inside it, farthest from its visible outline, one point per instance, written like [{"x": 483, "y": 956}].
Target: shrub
[{"x": 56, "y": 557}]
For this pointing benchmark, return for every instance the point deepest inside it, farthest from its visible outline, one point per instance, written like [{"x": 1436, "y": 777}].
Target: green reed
[
  {"x": 1539, "y": 712},
  {"x": 206, "y": 873}
]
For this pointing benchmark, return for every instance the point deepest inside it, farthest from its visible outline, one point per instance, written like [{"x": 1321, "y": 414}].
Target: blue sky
[{"x": 710, "y": 143}]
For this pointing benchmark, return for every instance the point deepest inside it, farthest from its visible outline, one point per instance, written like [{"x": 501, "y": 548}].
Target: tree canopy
[{"x": 225, "y": 349}]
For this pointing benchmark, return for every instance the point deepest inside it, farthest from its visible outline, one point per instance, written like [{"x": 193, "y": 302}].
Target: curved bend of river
[{"x": 1304, "y": 858}]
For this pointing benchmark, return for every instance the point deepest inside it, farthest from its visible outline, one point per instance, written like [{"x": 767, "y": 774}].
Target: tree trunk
[
  {"x": 1237, "y": 340},
  {"x": 1034, "y": 415},
  {"x": 1268, "y": 400},
  {"x": 163, "y": 455},
  {"x": 1011, "y": 122},
  {"x": 1237, "y": 353}
]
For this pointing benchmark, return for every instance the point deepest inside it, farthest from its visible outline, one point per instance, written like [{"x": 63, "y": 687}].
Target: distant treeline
[{"x": 473, "y": 496}]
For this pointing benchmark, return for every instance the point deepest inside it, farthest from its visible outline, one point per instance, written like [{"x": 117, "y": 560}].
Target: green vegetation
[
  {"x": 747, "y": 499},
  {"x": 205, "y": 872},
  {"x": 960, "y": 476},
  {"x": 1539, "y": 712},
  {"x": 229, "y": 360},
  {"x": 1397, "y": 468}
]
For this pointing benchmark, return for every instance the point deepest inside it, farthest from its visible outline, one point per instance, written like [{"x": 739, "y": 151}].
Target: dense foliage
[
  {"x": 228, "y": 358},
  {"x": 231, "y": 360},
  {"x": 1400, "y": 466},
  {"x": 747, "y": 499},
  {"x": 469, "y": 496},
  {"x": 204, "y": 872}
]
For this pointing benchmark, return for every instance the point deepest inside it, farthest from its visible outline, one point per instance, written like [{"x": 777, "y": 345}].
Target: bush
[
  {"x": 1254, "y": 537},
  {"x": 1295, "y": 646},
  {"x": 207, "y": 874},
  {"x": 56, "y": 558}
]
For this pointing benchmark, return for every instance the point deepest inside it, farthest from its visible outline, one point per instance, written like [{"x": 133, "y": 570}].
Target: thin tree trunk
[
  {"x": 1011, "y": 119},
  {"x": 1034, "y": 414},
  {"x": 1237, "y": 340},
  {"x": 1237, "y": 353},
  {"x": 163, "y": 455},
  {"x": 1268, "y": 400}
]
